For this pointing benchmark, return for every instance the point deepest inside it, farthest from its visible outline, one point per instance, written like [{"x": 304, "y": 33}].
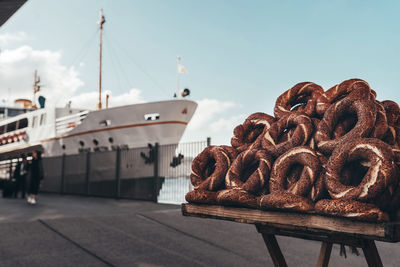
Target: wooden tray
[{"x": 306, "y": 226}]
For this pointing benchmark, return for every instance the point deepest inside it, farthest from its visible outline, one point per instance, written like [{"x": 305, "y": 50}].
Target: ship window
[
  {"x": 152, "y": 116},
  {"x": 43, "y": 119},
  {"x": 14, "y": 112},
  {"x": 12, "y": 126},
  {"x": 82, "y": 143},
  {"x": 2, "y": 129},
  {"x": 23, "y": 123},
  {"x": 34, "y": 121},
  {"x": 95, "y": 142},
  {"x": 105, "y": 122},
  {"x": 110, "y": 139}
]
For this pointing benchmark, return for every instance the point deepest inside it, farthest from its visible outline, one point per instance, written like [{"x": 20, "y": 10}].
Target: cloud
[
  {"x": 17, "y": 68},
  {"x": 89, "y": 100},
  {"x": 228, "y": 123},
  {"x": 7, "y": 38},
  {"x": 214, "y": 118},
  {"x": 59, "y": 83},
  {"x": 209, "y": 110}
]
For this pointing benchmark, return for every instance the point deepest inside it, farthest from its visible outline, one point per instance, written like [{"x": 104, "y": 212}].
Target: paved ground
[{"x": 83, "y": 231}]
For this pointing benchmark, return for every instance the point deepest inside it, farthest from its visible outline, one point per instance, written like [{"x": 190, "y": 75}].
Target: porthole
[{"x": 95, "y": 142}]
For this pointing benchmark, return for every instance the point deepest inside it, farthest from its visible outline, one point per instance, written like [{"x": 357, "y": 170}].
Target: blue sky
[{"x": 240, "y": 55}]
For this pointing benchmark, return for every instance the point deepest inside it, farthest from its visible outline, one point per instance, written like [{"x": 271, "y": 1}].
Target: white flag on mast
[{"x": 181, "y": 69}]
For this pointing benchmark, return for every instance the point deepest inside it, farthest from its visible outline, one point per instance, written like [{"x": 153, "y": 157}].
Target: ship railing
[
  {"x": 67, "y": 123},
  {"x": 13, "y": 136}
]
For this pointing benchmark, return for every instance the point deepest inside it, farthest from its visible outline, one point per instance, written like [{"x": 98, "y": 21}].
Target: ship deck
[{"x": 84, "y": 231}]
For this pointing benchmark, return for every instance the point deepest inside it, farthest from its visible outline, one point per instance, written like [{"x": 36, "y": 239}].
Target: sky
[{"x": 240, "y": 55}]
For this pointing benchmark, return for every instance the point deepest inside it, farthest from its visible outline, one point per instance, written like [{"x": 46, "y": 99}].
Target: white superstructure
[{"x": 60, "y": 131}]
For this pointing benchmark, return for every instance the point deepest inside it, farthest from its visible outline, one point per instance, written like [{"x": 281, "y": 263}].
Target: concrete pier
[{"x": 83, "y": 231}]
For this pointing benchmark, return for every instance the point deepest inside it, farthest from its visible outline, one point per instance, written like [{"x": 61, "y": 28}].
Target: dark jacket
[
  {"x": 36, "y": 175},
  {"x": 17, "y": 171},
  {"x": 36, "y": 170}
]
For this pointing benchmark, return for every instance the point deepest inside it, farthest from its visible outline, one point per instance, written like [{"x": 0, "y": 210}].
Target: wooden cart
[{"x": 329, "y": 230}]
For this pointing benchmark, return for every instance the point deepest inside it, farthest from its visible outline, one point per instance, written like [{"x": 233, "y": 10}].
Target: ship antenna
[
  {"x": 36, "y": 88},
  {"x": 180, "y": 70},
  {"x": 100, "y": 22}
]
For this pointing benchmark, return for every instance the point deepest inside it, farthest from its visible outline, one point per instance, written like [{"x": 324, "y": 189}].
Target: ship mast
[
  {"x": 36, "y": 88},
  {"x": 100, "y": 22}
]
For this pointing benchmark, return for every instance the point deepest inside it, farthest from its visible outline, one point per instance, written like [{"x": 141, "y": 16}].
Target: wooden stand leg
[
  {"x": 274, "y": 250},
  {"x": 371, "y": 254},
  {"x": 324, "y": 254}
]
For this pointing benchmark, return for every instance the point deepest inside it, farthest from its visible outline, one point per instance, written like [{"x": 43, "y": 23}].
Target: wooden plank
[
  {"x": 300, "y": 222},
  {"x": 371, "y": 254},
  {"x": 274, "y": 250},
  {"x": 324, "y": 254},
  {"x": 312, "y": 234}
]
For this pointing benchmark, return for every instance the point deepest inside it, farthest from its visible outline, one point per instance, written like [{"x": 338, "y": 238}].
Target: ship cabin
[{"x": 23, "y": 130}]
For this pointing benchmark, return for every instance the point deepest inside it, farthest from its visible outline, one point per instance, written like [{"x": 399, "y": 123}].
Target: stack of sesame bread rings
[{"x": 333, "y": 152}]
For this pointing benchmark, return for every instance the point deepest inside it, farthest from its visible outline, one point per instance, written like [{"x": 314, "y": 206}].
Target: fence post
[
  {"x": 117, "y": 172},
  {"x": 62, "y": 186},
  {"x": 208, "y": 141},
  {"x": 87, "y": 173},
  {"x": 156, "y": 179}
]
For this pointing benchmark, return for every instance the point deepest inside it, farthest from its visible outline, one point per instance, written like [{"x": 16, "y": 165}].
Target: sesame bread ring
[
  {"x": 385, "y": 201},
  {"x": 353, "y": 172},
  {"x": 318, "y": 189},
  {"x": 209, "y": 168},
  {"x": 302, "y": 97},
  {"x": 201, "y": 196},
  {"x": 381, "y": 124},
  {"x": 380, "y": 175},
  {"x": 236, "y": 197},
  {"x": 282, "y": 200},
  {"x": 311, "y": 142},
  {"x": 395, "y": 201},
  {"x": 366, "y": 117},
  {"x": 303, "y": 156},
  {"x": 344, "y": 125},
  {"x": 303, "y": 128},
  {"x": 245, "y": 135},
  {"x": 392, "y": 112},
  {"x": 351, "y": 209},
  {"x": 322, "y": 104},
  {"x": 293, "y": 174},
  {"x": 396, "y": 152},
  {"x": 392, "y": 136},
  {"x": 232, "y": 152},
  {"x": 355, "y": 88},
  {"x": 287, "y": 134},
  {"x": 250, "y": 171}
]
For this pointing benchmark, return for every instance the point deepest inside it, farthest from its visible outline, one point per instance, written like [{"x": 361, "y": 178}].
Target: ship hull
[{"x": 128, "y": 126}]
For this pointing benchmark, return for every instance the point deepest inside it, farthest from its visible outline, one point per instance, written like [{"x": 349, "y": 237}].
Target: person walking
[
  {"x": 36, "y": 176},
  {"x": 20, "y": 173}
]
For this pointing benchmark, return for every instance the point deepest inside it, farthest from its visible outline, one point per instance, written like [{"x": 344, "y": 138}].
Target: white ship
[{"x": 58, "y": 131}]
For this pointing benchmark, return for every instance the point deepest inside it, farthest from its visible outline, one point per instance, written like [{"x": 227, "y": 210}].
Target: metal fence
[
  {"x": 177, "y": 171},
  {"x": 156, "y": 173}
]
